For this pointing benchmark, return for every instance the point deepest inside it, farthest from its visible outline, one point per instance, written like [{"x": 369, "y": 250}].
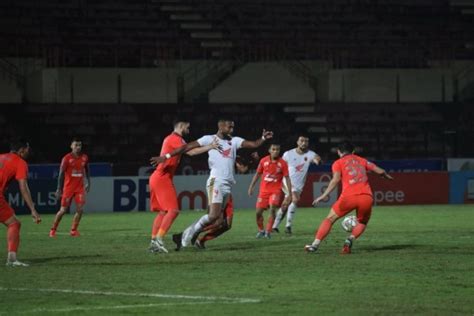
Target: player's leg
[
  {"x": 339, "y": 209},
  {"x": 274, "y": 202},
  {"x": 281, "y": 213},
  {"x": 364, "y": 211},
  {"x": 66, "y": 200},
  {"x": 292, "y": 211},
  {"x": 218, "y": 192},
  {"x": 80, "y": 200},
  {"x": 217, "y": 231},
  {"x": 261, "y": 206},
  {"x": 8, "y": 218},
  {"x": 169, "y": 202}
]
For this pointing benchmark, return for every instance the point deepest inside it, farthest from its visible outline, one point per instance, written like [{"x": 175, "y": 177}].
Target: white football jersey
[
  {"x": 298, "y": 166},
  {"x": 222, "y": 162}
]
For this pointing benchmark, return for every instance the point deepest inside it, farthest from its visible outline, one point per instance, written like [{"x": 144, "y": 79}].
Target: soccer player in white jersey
[
  {"x": 299, "y": 159},
  {"x": 221, "y": 162}
]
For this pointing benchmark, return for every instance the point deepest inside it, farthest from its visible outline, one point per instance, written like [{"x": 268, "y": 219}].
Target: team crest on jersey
[
  {"x": 305, "y": 158},
  {"x": 227, "y": 153},
  {"x": 299, "y": 168},
  {"x": 71, "y": 161},
  {"x": 266, "y": 164}
]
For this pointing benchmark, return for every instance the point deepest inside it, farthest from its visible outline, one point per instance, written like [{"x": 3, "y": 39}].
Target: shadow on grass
[
  {"x": 391, "y": 247},
  {"x": 57, "y": 258}
]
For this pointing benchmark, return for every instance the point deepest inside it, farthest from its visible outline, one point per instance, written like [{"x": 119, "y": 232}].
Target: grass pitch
[{"x": 411, "y": 260}]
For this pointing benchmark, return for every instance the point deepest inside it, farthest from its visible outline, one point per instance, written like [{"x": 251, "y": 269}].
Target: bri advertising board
[{"x": 125, "y": 194}]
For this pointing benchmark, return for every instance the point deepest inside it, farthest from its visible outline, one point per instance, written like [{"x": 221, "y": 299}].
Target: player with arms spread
[
  {"x": 356, "y": 195},
  {"x": 299, "y": 159},
  {"x": 163, "y": 198},
  {"x": 221, "y": 163},
  {"x": 73, "y": 183},
  {"x": 13, "y": 166},
  {"x": 272, "y": 169}
]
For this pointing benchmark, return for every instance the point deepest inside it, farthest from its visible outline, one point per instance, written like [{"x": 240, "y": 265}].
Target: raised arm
[
  {"x": 336, "y": 178},
  {"x": 257, "y": 143},
  {"x": 25, "y": 193}
]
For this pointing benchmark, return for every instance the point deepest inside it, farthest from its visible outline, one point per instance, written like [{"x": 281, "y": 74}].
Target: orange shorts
[
  {"x": 78, "y": 196},
  {"x": 6, "y": 211},
  {"x": 362, "y": 203},
  {"x": 162, "y": 194},
  {"x": 266, "y": 199}
]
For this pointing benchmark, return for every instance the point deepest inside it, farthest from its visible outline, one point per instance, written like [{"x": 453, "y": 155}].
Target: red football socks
[
  {"x": 358, "y": 230},
  {"x": 167, "y": 222},
  {"x": 323, "y": 229},
  {"x": 13, "y": 234}
]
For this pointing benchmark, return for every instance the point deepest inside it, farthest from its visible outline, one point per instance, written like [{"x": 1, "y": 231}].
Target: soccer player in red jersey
[
  {"x": 356, "y": 195},
  {"x": 73, "y": 183},
  {"x": 163, "y": 198},
  {"x": 272, "y": 169},
  {"x": 13, "y": 166}
]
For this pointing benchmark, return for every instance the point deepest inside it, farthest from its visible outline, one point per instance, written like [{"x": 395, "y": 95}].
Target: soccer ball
[{"x": 348, "y": 223}]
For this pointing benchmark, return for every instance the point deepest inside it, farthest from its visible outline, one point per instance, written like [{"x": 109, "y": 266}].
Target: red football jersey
[
  {"x": 353, "y": 171},
  {"x": 74, "y": 171},
  {"x": 272, "y": 174},
  {"x": 11, "y": 166},
  {"x": 171, "y": 142}
]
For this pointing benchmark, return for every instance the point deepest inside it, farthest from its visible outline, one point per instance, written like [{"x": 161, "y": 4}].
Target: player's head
[
  {"x": 345, "y": 148},
  {"x": 21, "y": 147},
  {"x": 302, "y": 142},
  {"x": 76, "y": 145},
  {"x": 181, "y": 126},
  {"x": 226, "y": 126},
  {"x": 274, "y": 150}
]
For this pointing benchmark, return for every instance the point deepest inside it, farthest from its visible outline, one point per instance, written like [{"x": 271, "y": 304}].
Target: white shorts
[
  {"x": 218, "y": 191},
  {"x": 293, "y": 189}
]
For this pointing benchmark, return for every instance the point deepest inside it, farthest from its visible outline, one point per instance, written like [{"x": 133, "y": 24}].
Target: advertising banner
[{"x": 461, "y": 164}]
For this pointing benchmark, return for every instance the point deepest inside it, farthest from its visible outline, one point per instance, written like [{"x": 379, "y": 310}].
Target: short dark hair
[
  {"x": 346, "y": 147},
  {"x": 179, "y": 120},
  {"x": 225, "y": 119},
  {"x": 76, "y": 139},
  {"x": 274, "y": 143},
  {"x": 305, "y": 135},
  {"x": 19, "y": 143}
]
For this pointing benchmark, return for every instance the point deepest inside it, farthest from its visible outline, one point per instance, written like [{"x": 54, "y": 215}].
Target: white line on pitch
[{"x": 106, "y": 293}]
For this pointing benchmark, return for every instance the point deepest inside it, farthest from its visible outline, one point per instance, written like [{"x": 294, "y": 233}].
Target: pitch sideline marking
[{"x": 156, "y": 295}]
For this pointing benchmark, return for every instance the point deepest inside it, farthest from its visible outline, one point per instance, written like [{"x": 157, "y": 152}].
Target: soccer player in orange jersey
[
  {"x": 13, "y": 166},
  {"x": 163, "y": 198},
  {"x": 73, "y": 183},
  {"x": 356, "y": 195},
  {"x": 272, "y": 169}
]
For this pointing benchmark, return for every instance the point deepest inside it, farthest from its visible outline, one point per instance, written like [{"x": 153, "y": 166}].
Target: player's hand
[
  {"x": 267, "y": 134},
  {"x": 155, "y": 161},
  {"x": 250, "y": 192},
  {"x": 87, "y": 187},
  {"x": 319, "y": 199},
  {"x": 387, "y": 176},
  {"x": 215, "y": 144},
  {"x": 58, "y": 194},
  {"x": 36, "y": 217}
]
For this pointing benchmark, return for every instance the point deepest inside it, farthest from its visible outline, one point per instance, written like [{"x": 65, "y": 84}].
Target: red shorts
[
  {"x": 266, "y": 199},
  {"x": 362, "y": 203},
  {"x": 162, "y": 194},
  {"x": 78, "y": 196},
  {"x": 6, "y": 211},
  {"x": 229, "y": 208}
]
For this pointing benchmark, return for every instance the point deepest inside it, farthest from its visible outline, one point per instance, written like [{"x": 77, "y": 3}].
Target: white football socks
[
  {"x": 291, "y": 214},
  {"x": 278, "y": 218}
]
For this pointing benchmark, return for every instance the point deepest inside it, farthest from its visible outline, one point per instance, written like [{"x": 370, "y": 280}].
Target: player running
[
  {"x": 299, "y": 160},
  {"x": 221, "y": 163},
  {"x": 73, "y": 183},
  {"x": 272, "y": 169},
  {"x": 13, "y": 166},
  {"x": 163, "y": 198},
  {"x": 356, "y": 195}
]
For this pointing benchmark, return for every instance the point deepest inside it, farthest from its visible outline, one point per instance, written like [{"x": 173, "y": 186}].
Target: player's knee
[{"x": 79, "y": 211}]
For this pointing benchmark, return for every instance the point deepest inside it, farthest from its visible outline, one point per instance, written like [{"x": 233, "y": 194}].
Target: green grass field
[{"x": 411, "y": 260}]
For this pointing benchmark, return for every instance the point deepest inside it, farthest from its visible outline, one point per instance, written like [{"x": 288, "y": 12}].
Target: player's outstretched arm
[
  {"x": 336, "y": 178},
  {"x": 25, "y": 193},
  {"x": 382, "y": 173},
  {"x": 204, "y": 149},
  {"x": 317, "y": 160},
  {"x": 257, "y": 143},
  {"x": 155, "y": 161},
  {"x": 253, "y": 182}
]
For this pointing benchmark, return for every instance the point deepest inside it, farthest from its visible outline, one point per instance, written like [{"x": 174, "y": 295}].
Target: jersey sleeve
[
  {"x": 205, "y": 140},
  {"x": 285, "y": 156},
  {"x": 260, "y": 166},
  {"x": 369, "y": 165},
  {"x": 336, "y": 166},
  {"x": 238, "y": 141},
  {"x": 21, "y": 171}
]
